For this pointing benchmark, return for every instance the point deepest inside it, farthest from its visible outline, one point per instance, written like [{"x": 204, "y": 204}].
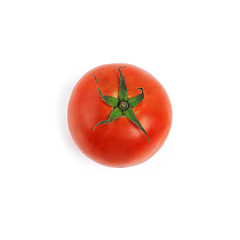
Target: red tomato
[{"x": 132, "y": 124}]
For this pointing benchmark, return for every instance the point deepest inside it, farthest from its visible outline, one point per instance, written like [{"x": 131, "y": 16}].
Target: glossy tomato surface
[{"x": 119, "y": 143}]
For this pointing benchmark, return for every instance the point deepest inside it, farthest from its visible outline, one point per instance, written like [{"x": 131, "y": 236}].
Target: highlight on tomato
[{"x": 119, "y": 115}]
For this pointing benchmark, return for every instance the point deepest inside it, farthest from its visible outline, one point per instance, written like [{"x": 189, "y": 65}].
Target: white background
[{"x": 189, "y": 190}]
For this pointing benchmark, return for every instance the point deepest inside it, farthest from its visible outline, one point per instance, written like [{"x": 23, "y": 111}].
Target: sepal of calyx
[{"x": 123, "y": 105}]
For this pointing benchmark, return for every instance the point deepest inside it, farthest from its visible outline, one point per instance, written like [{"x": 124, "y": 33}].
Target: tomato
[{"x": 119, "y": 115}]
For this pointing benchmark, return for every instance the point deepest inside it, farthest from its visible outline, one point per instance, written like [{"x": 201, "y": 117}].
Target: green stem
[{"x": 123, "y": 105}]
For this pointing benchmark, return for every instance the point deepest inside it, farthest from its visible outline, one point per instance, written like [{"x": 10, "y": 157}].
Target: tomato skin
[{"x": 120, "y": 143}]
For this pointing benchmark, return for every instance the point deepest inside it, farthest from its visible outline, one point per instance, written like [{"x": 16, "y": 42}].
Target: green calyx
[{"x": 122, "y": 106}]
